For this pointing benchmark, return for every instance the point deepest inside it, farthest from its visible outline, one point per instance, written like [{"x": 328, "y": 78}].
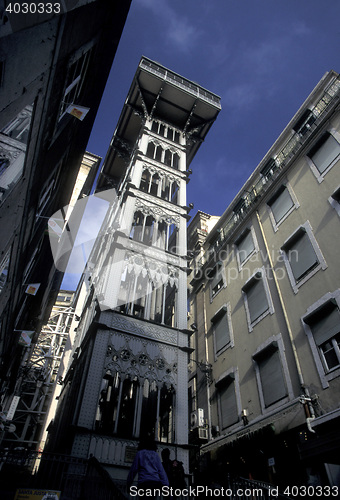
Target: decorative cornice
[{"x": 133, "y": 326}]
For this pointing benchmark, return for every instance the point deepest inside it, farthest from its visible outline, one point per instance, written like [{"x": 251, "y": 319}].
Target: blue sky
[{"x": 262, "y": 57}]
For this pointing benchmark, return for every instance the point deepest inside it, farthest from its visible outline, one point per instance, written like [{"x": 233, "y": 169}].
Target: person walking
[{"x": 147, "y": 464}]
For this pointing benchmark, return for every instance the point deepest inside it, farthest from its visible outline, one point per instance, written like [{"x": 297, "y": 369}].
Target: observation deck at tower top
[
  {"x": 183, "y": 83},
  {"x": 159, "y": 93}
]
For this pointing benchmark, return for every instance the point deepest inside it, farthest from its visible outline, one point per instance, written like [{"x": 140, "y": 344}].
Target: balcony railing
[
  {"x": 181, "y": 82},
  {"x": 278, "y": 163}
]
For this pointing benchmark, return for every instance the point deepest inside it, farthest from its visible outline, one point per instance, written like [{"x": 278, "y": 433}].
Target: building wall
[
  {"x": 39, "y": 168},
  {"x": 268, "y": 372}
]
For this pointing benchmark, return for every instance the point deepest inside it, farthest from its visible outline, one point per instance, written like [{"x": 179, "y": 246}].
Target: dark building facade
[{"x": 48, "y": 63}]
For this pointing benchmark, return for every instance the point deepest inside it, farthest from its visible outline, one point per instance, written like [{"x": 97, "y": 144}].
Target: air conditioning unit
[
  {"x": 197, "y": 418},
  {"x": 203, "y": 433}
]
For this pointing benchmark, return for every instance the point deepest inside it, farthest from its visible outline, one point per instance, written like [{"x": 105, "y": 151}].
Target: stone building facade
[{"x": 264, "y": 301}]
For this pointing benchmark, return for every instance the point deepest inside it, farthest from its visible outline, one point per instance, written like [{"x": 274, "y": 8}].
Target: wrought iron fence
[{"x": 76, "y": 478}]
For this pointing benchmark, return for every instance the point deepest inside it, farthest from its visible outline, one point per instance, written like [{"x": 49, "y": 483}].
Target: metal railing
[
  {"x": 76, "y": 478},
  {"x": 181, "y": 82}
]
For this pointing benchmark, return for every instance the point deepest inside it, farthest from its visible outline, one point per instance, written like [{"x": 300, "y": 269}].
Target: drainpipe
[
  {"x": 207, "y": 361},
  {"x": 305, "y": 399}
]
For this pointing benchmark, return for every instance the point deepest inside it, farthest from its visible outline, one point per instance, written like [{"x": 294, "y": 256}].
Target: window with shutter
[
  {"x": 325, "y": 326},
  {"x": 256, "y": 298},
  {"x": 216, "y": 280},
  {"x": 325, "y": 152},
  {"x": 221, "y": 331},
  {"x": 245, "y": 246},
  {"x": 300, "y": 255},
  {"x": 271, "y": 376},
  {"x": 227, "y": 403},
  {"x": 281, "y": 204}
]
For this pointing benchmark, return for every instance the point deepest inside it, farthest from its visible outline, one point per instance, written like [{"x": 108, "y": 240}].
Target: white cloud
[{"x": 178, "y": 29}]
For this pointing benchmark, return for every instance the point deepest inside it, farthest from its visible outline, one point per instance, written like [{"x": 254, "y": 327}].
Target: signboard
[{"x": 32, "y": 494}]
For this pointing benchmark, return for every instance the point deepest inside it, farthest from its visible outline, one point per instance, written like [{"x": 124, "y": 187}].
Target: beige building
[{"x": 264, "y": 309}]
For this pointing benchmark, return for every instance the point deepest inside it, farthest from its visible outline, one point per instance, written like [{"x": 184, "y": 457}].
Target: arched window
[
  {"x": 174, "y": 192},
  {"x": 150, "y": 152},
  {"x": 168, "y": 157},
  {"x": 136, "y": 232},
  {"x": 148, "y": 230},
  {"x": 166, "y": 414},
  {"x": 108, "y": 403},
  {"x": 149, "y": 409},
  {"x": 158, "y": 154},
  {"x": 127, "y": 410},
  {"x": 165, "y": 188},
  {"x": 170, "y": 305},
  {"x": 145, "y": 181},
  {"x": 154, "y": 184},
  {"x": 162, "y": 234},
  {"x": 172, "y": 238},
  {"x": 175, "y": 161}
]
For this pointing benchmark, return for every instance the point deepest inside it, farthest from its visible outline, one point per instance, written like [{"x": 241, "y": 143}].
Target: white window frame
[
  {"x": 334, "y": 200},
  {"x": 307, "y": 228},
  {"x": 270, "y": 309},
  {"x": 295, "y": 206},
  {"x": 4, "y": 268},
  {"x": 250, "y": 230},
  {"x": 277, "y": 343},
  {"x": 223, "y": 279},
  {"x": 233, "y": 375},
  {"x": 78, "y": 81},
  {"x": 320, "y": 176},
  {"x": 224, "y": 311},
  {"x": 325, "y": 375}
]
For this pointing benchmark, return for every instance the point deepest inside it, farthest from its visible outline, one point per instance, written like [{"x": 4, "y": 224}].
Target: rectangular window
[
  {"x": 325, "y": 326},
  {"x": 269, "y": 169},
  {"x": 13, "y": 145},
  {"x": 228, "y": 411},
  {"x": 270, "y": 375},
  {"x": 221, "y": 330},
  {"x": 216, "y": 280},
  {"x": 256, "y": 300},
  {"x": 325, "y": 152},
  {"x": 4, "y": 265},
  {"x": 334, "y": 200},
  {"x": 300, "y": 255},
  {"x": 305, "y": 122},
  {"x": 245, "y": 246},
  {"x": 18, "y": 129},
  {"x": 74, "y": 82},
  {"x": 281, "y": 203}
]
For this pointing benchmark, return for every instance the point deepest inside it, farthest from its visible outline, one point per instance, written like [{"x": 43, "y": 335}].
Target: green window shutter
[
  {"x": 256, "y": 299},
  {"x": 280, "y": 204},
  {"x": 228, "y": 404},
  {"x": 271, "y": 375},
  {"x": 301, "y": 256}
]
